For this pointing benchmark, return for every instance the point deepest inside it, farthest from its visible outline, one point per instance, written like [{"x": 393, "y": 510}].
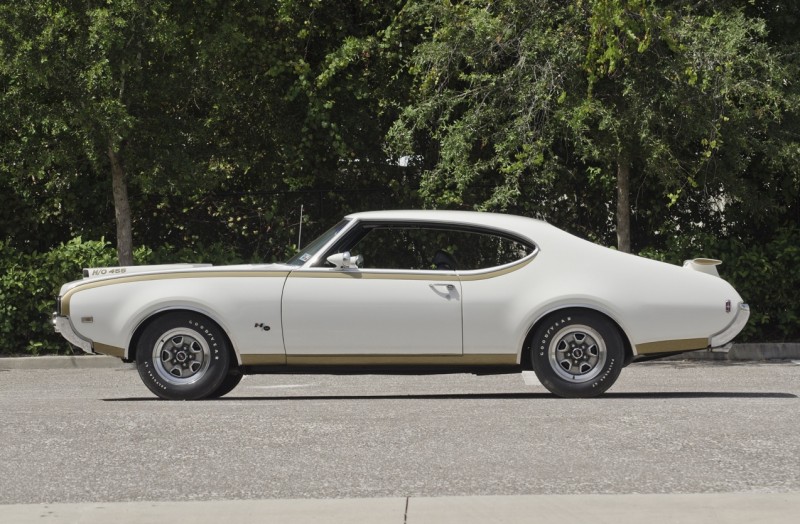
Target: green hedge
[
  {"x": 29, "y": 284},
  {"x": 765, "y": 274}
]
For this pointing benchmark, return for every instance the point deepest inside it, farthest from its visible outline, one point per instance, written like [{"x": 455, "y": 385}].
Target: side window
[
  {"x": 387, "y": 248},
  {"x": 421, "y": 248},
  {"x": 397, "y": 248},
  {"x": 484, "y": 250}
]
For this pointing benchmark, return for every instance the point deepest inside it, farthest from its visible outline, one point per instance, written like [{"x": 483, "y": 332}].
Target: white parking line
[{"x": 282, "y": 386}]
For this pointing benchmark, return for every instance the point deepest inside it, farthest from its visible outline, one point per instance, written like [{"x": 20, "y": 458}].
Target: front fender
[{"x": 110, "y": 314}]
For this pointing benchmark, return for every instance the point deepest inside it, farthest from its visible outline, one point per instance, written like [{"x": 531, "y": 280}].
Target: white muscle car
[{"x": 405, "y": 291}]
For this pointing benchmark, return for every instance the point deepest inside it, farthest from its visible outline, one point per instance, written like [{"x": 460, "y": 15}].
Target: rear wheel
[
  {"x": 577, "y": 353},
  {"x": 183, "y": 356}
]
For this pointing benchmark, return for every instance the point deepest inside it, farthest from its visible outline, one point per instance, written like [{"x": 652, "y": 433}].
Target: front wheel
[
  {"x": 577, "y": 353},
  {"x": 183, "y": 356},
  {"x": 228, "y": 385}
]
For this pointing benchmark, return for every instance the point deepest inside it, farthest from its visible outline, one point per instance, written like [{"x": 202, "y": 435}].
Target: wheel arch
[
  {"x": 525, "y": 356},
  {"x": 153, "y": 316}
]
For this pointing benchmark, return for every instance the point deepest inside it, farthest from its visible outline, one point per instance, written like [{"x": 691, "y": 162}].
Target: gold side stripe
[
  {"x": 389, "y": 360},
  {"x": 105, "y": 349},
  {"x": 498, "y": 273},
  {"x": 666, "y": 346},
  {"x": 327, "y": 360},
  {"x": 367, "y": 275},
  {"x": 91, "y": 284},
  {"x": 263, "y": 360}
]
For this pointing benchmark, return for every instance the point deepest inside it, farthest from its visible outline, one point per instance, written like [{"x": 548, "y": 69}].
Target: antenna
[{"x": 300, "y": 233}]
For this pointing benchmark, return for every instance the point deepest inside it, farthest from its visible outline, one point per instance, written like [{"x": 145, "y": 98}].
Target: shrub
[{"x": 29, "y": 284}]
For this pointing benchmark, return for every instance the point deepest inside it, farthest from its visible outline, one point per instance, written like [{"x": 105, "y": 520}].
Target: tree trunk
[
  {"x": 122, "y": 209},
  {"x": 623, "y": 203}
]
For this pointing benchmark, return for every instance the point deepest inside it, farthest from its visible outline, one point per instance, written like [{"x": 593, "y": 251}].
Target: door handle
[{"x": 449, "y": 292}]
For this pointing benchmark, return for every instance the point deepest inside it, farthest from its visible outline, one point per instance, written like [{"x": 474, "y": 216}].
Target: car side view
[{"x": 405, "y": 292}]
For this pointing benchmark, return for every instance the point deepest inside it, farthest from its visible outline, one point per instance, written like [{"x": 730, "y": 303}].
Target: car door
[
  {"x": 396, "y": 304},
  {"x": 495, "y": 292}
]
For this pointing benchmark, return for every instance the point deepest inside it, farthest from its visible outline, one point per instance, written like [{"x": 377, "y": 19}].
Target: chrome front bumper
[
  {"x": 733, "y": 329},
  {"x": 64, "y": 326}
]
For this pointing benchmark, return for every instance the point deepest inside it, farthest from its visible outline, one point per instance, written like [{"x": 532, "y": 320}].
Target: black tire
[
  {"x": 228, "y": 385},
  {"x": 183, "y": 356},
  {"x": 577, "y": 353}
]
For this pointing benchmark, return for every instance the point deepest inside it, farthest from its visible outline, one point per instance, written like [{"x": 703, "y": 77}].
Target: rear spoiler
[{"x": 703, "y": 265}]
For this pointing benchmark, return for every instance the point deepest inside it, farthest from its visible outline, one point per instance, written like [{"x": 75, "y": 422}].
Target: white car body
[{"x": 281, "y": 315}]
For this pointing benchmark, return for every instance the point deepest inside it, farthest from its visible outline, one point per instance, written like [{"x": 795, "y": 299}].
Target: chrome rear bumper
[{"x": 737, "y": 324}]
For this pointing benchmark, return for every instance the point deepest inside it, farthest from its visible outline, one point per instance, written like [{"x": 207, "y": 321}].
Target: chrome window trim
[{"x": 456, "y": 226}]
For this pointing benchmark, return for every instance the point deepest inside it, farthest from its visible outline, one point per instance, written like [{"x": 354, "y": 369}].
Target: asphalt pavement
[{"x": 675, "y": 441}]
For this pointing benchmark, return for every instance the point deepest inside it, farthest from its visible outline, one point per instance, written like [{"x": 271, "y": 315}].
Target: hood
[{"x": 90, "y": 273}]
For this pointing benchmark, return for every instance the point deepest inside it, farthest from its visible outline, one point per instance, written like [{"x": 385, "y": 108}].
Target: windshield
[{"x": 308, "y": 252}]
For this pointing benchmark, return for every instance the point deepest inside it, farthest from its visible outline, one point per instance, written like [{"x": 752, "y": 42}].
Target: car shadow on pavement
[{"x": 491, "y": 396}]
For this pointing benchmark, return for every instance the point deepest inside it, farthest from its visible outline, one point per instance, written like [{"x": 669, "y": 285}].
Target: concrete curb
[
  {"x": 739, "y": 352},
  {"x": 756, "y": 352},
  {"x": 727, "y": 508}
]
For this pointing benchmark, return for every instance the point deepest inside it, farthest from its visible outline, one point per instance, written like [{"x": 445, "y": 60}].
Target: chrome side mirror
[{"x": 345, "y": 261}]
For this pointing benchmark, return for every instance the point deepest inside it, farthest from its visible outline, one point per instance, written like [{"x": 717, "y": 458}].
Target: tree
[
  {"x": 684, "y": 95},
  {"x": 585, "y": 103},
  {"x": 302, "y": 95},
  {"x": 220, "y": 119},
  {"x": 95, "y": 88},
  {"x": 490, "y": 86}
]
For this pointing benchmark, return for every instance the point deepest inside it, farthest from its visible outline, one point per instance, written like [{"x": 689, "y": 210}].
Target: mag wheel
[
  {"x": 183, "y": 356},
  {"x": 577, "y": 353}
]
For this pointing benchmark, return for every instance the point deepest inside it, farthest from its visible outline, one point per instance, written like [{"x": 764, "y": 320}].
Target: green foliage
[
  {"x": 618, "y": 30},
  {"x": 29, "y": 283},
  {"x": 532, "y": 107},
  {"x": 491, "y": 84},
  {"x": 216, "y": 253}
]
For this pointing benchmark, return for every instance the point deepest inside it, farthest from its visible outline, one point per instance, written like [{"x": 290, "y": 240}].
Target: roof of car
[
  {"x": 532, "y": 228},
  {"x": 460, "y": 217}
]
